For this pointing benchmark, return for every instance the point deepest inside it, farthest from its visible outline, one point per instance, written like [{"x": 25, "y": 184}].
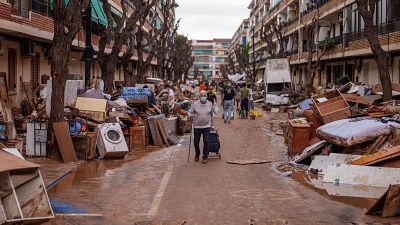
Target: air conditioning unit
[{"x": 28, "y": 48}]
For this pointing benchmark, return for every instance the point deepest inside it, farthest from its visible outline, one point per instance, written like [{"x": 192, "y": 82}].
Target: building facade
[
  {"x": 209, "y": 56},
  {"x": 306, "y": 25},
  {"x": 26, "y": 36}
]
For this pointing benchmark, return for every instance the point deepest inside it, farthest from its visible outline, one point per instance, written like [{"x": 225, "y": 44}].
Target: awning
[{"x": 98, "y": 15}]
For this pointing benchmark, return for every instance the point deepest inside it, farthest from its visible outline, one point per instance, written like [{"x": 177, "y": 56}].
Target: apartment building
[
  {"x": 338, "y": 23},
  {"x": 26, "y": 34},
  {"x": 209, "y": 56}
]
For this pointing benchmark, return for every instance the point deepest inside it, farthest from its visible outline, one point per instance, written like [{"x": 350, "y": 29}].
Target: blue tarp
[
  {"x": 305, "y": 105},
  {"x": 129, "y": 93}
]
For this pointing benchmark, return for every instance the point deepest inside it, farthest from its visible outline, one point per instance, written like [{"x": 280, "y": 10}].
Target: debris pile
[{"x": 350, "y": 139}]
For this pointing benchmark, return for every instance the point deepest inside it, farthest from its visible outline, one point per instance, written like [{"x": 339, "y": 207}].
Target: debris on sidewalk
[
  {"x": 23, "y": 195},
  {"x": 350, "y": 139},
  {"x": 387, "y": 205},
  {"x": 248, "y": 162}
]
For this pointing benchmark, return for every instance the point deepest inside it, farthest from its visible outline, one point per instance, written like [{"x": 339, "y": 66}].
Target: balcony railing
[
  {"x": 313, "y": 5},
  {"x": 384, "y": 28}
]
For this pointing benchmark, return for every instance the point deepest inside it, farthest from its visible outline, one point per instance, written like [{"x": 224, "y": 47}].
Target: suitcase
[{"x": 214, "y": 144}]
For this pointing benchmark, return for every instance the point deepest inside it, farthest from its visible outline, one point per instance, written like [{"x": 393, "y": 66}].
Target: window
[
  {"x": 41, "y": 7},
  {"x": 357, "y": 22},
  {"x": 20, "y": 8},
  {"x": 12, "y": 69},
  {"x": 35, "y": 68},
  {"x": 381, "y": 12}
]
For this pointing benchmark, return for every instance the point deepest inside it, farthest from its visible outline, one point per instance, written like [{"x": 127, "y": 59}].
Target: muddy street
[{"x": 161, "y": 187}]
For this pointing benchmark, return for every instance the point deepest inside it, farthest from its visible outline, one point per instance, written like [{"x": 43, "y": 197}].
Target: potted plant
[{"x": 14, "y": 10}]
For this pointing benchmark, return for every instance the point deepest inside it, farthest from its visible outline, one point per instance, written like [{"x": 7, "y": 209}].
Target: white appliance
[
  {"x": 36, "y": 139},
  {"x": 111, "y": 141}
]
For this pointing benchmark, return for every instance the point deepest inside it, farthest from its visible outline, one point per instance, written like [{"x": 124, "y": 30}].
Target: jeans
[
  {"x": 206, "y": 136},
  {"x": 228, "y": 105}
]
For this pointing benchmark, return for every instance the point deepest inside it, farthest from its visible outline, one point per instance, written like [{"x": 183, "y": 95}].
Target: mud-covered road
[{"x": 163, "y": 188}]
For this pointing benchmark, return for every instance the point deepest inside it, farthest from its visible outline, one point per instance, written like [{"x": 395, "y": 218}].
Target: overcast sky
[{"x": 208, "y": 19}]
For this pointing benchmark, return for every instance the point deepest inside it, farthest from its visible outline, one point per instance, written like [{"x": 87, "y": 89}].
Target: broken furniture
[
  {"x": 331, "y": 106},
  {"x": 137, "y": 137},
  {"x": 36, "y": 139},
  {"x": 298, "y": 134},
  {"x": 159, "y": 131},
  {"x": 96, "y": 108},
  {"x": 23, "y": 196},
  {"x": 85, "y": 146},
  {"x": 111, "y": 141}
]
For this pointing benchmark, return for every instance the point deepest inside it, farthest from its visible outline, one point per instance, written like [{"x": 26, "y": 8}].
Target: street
[{"x": 163, "y": 188}]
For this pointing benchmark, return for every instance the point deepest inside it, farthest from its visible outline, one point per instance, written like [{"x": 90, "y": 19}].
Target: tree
[
  {"x": 366, "y": 8},
  {"x": 313, "y": 67},
  {"x": 181, "y": 58},
  {"x": 229, "y": 67},
  {"x": 242, "y": 54},
  {"x": 67, "y": 22},
  {"x": 139, "y": 41},
  {"x": 116, "y": 35},
  {"x": 270, "y": 30},
  {"x": 164, "y": 43}
]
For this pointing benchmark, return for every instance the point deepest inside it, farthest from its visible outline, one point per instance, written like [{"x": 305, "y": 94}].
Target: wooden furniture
[
  {"x": 298, "y": 137},
  {"x": 85, "y": 146},
  {"x": 138, "y": 137},
  {"x": 23, "y": 198},
  {"x": 331, "y": 106}
]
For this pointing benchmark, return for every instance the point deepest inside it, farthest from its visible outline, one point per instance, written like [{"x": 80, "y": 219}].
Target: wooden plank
[
  {"x": 64, "y": 141},
  {"x": 162, "y": 130},
  {"x": 11, "y": 162},
  {"x": 376, "y": 145},
  {"x": 155, "y": 133},
  {"x": 366, "y": 160}
]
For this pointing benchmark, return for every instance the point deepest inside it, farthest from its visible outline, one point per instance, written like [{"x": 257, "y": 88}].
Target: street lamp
[
  {"x": 254, "y": 58},
  {"x": 89, "y": 52}
]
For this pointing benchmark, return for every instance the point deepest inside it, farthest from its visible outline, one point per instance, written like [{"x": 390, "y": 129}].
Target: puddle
[
  {"x": 94, "y": 169},
  {"x": 357, "y": 196}
]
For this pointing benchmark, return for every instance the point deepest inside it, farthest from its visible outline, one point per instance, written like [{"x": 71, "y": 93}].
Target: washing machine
[{"x": 111, "y": 141}]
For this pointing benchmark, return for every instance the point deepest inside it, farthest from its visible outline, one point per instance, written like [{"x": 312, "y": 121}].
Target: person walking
[
  {"x": 238, "y": 99},
  {"x": 244, "y": 93},
  {"x": 212, "y": 95},
  {"x": 202, "y": 113},
  {"x": 228, "y": 97}
]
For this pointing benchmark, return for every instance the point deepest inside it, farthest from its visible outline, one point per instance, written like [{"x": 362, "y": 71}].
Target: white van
[{"x": 277, "y": 81}]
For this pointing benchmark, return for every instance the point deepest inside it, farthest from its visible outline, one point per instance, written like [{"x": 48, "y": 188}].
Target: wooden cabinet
[
  {"x": 298, "y": 137},
  {"x": 331, "y": 106},
  {"x": 85, "y": 146}
]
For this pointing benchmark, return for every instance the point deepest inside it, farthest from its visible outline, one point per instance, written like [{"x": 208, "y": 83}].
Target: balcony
[
  {"x": 382, "y": 29},
  {"x": 313, "y": 5}
]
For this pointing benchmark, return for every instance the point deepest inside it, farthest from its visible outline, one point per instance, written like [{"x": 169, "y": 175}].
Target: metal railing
[
  {"x": 313, "y": 5},
  {"x": 385, "y": 28}
]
